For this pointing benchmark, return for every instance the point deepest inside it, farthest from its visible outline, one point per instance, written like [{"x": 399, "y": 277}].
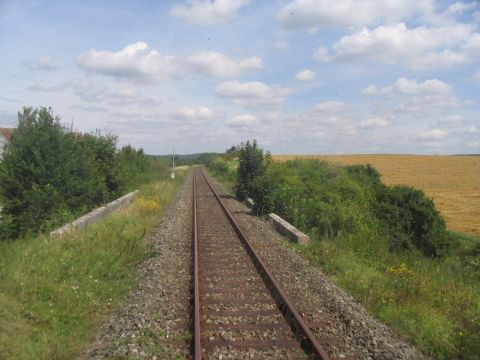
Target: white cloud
[
  {"x": 208, "y": 12},
  {"x": 434, "y": 134},
  {"x": 47, "y": 86},
  {"x": 89, "y": 108},
  {"x": 242, "y": 120},
  {"x": 410, "y": 104},
  {"x": 411, "y": 94},
  {"x": 321, "y": 54},
  {"x": 96, "y": 92},
  {"x": 218, "y": 64},
  {"x": 305, "y": 75},
  {"x": 136, "y": 60},
  {"x": 473, "y": 130},
  {"x": 471, "y": 47},
  {"x": 199, "y": 114},
  {"x": 316, "y": 135},
  {"x": 375, "y": 122},
  {"x": 419, "y": 48},
  {"x": 253, "y": 93},
  {"x": 414, "y": 87},
  {"x": 126, "y": 93},
  {"x": 310, "y": 14},
  {"x": 458, "y": 8},
  {"x": 41, "y": 63},
  {"x": 331, "y": 106},
  {"x": 370, "y": 90},
  {"x": 451, "y": 120}
]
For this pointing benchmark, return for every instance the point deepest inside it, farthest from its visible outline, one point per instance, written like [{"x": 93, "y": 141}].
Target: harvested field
[{"x": 452, "y": 181}]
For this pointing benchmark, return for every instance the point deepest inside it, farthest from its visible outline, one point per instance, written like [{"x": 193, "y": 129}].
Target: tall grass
[
  {"x": 54, "y": 294},
  {"x": 434, "y": 303}
]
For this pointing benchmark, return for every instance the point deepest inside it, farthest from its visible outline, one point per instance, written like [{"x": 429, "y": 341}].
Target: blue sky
[{"x": 300, "y": 76}]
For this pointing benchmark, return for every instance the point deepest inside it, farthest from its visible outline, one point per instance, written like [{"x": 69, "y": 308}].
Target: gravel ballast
[{"x": 153, "y": 322}]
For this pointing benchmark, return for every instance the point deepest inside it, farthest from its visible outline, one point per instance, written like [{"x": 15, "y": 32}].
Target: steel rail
[
  {"x": 196, "y": 275},
  {"x": 301, "y": 329}
]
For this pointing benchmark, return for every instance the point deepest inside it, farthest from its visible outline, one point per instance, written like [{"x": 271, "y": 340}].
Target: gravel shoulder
[
  {"x": 346, "y": 329},
  {"x": 153, "y": 321}
]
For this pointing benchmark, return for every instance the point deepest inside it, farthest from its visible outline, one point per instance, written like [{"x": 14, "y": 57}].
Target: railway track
[{"x": 240, "y": 310}]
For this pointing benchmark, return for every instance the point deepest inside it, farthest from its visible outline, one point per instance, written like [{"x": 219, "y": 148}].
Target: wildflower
[
  {"x": 148, "y": 206},
  {"x": 400, "y": 269}
]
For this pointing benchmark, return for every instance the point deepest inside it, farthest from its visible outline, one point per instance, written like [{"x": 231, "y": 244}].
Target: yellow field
[{"x": 452, "y": 181}]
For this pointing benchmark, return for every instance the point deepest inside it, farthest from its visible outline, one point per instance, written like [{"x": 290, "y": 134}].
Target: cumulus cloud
[
  {"x": 136, "y": 60},
  {"x": 408, "y": 105},
  {"x": 412, "y": 87},
  {"x": 370, "y": 90},
  {"x": 419, "y": 48},
  {"x": 95, "y": 92},
  {"x": 199, "y": 114},
  {"x": 311, "y": 14},
  {"x": 331, "y": 106},
  {"x": 242, "y": 120},
  {"x": 253, "y": 93},
  {"x": 218, "y": 64},
  {"x": 373, "y": 123},
  {"x": 305, "y": 75},
  {"x": 434, "y": 134},
  {"x": 208, "y": 12},
  {"x": 41, "y": 63}
]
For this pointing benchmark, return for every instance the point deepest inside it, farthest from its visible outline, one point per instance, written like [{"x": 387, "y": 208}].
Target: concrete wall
[
  {"x": 95, "y": 215},
  {"x": 287, "y": 229}
]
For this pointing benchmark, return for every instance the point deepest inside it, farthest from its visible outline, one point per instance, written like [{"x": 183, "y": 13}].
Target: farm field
[{"x": 452, "y": 181}]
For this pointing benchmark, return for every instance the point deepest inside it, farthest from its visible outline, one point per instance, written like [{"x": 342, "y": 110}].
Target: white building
[{"x": 5, "y": 135}]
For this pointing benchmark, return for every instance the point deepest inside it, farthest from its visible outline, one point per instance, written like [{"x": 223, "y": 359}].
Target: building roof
[{"x": 6, "y": 132}]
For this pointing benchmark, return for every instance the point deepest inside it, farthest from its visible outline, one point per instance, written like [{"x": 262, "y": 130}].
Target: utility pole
[{"x": 172, "y": 176}]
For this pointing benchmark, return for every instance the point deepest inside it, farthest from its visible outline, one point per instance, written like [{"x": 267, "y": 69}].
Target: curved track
[{"x": 240, "y": 310}]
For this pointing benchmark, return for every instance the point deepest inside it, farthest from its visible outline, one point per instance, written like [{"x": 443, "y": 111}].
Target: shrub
[
  {"x": 251, "y": 163},
  {"x": 135, "y": 168},
  {"x": 50, "y": 173},
  {"x": 341, "y": 201},
  {"x": 413, "y": 220}
]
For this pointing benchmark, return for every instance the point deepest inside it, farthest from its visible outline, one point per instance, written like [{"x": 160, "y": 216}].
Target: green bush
[
  {"x": 135, "y": 168},
  {"x": 50, "y": 173},
  {"x": 251, "y": 163},
  {"x": 335, "y": 201},
  {"x": 412, "y": 220}
]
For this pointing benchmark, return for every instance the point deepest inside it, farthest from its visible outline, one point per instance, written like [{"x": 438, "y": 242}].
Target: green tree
[
  {"x": 251, "y": 163},
  {"x": 49, "y": 173}
]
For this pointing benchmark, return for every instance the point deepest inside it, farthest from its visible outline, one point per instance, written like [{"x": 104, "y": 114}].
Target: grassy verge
[
  {"x": 54, "y": 294},
  {"x": 434, "y": 303},
  {"x": 226, "y": 177}
]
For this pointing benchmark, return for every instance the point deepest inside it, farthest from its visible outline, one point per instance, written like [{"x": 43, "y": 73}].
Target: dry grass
[{"x": 452, "y": 181}]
